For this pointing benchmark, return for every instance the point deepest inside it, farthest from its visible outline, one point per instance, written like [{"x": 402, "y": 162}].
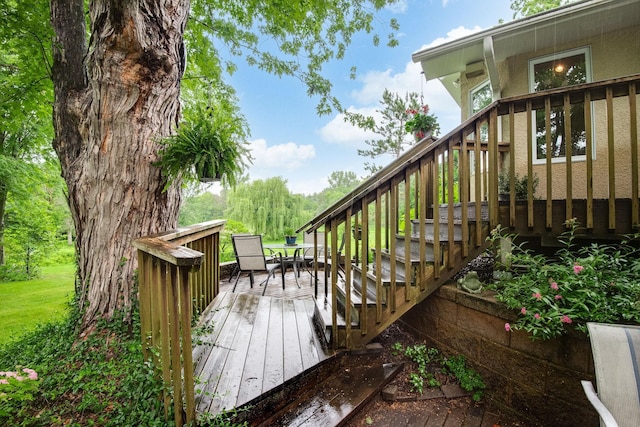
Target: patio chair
[
  {"x": 330, "y": 261},
  {"x": 307, "y": 254},
  {"x": 235, "y": 267},
  {"x": 616, "y": 357},
  {"x": 251, "y": 258}
]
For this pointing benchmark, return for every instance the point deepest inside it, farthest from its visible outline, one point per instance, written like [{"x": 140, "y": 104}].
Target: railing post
[{"x": 170, "y": 276}]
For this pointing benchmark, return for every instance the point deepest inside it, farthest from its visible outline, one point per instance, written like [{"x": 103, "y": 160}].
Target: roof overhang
[{"x": 575, "y": 21}]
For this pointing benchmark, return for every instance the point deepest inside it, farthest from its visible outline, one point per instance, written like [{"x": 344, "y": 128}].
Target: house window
[
  {"x": 480, "y": 97},
  {"x": 559, "y": 70}
]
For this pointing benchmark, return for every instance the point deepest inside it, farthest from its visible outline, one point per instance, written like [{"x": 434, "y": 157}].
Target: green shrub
[
  {"x": 596, "y": 283},
  {"x": 101, "y": 379},
  {"x": 469, "y": 379}
]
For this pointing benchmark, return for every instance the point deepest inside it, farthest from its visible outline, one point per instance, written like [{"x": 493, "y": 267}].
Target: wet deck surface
[
  {"x": 252, "y": 344},
  {"x": 235, "y": 370}
]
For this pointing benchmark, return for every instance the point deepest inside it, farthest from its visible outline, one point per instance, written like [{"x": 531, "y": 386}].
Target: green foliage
[
  {"x": 524, "y": 8},
  {"x": 521, "y": 184},
  {"x": 595, "y": 283},
  {"x": 340, "y": 184},
  {"x": 284, "y": 39},
  {"x": 396, "y": 349},
  {"x": 267, "y": 207},
  {"x": 417, "y": 382},
  {"x": 210, "y": 143},
  {"x": 420, "y": 122},
  {"x": 469, "y": 379},
  {"x": 16, "y": 389},
  {"x": 100, "y": 379},
  {"x": 422, "y": 356},
  {"x": 201, "y": 208},
  {"x": 394, "y": 115},
  {"x": 221, "y": 419}
]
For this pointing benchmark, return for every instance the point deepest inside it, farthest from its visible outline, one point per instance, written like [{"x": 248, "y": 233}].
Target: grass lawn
[{"x": 28, "y": 303}]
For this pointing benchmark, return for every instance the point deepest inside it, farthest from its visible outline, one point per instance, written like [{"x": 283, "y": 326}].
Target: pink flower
[
  {"x": 537, "y": 315},
  {"x": 537, "y": 295},
  {"x": 554, "y": 286},
  {"x": 507, "y": 327},
  {"x": 523, "y": 310},
  {"x": 4, "y": 382},
  {"x": 566, "y": 319},
  {"x": 33, "y": 375},
  {"x": 557, "y": 297},
  {"x": 577, "y": 268}
]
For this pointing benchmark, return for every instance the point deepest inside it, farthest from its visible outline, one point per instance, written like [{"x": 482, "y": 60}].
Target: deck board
[
  {"x": 229, "y": 383},
  {"x": 214, "y": 366},
  {"x": 273, "y": 359},
  {"x": 259, "y": 343},
  {"x": 292, "y": 356},
  {"x": 254, "y": 363},
  {"x": 307, "y": 341}
]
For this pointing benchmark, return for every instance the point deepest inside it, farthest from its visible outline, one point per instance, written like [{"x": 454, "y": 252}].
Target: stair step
[
  {"x": 443, "y": 231},
  {"x": 333, "y": 401},
  {"x": 471, "y": 211},
  {"x": 371, "y": 282},
  {"x": 322, "y": 318},
  {"x": 414, "y": 247},
  {"x": 401, "y": 263}
]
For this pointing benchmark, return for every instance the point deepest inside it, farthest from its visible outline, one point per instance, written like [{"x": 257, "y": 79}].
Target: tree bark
[{"x": 114, "y": 97}]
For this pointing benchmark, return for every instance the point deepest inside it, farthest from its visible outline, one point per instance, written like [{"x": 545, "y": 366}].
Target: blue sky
[{"x": 288, "y": 138}]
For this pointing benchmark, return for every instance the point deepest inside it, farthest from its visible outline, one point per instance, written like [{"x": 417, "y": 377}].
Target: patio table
[{"x": 297, "y": 250}]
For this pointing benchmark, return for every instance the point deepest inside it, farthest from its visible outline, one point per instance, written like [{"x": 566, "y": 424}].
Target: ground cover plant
[
  {"x": 99, "y": 379},
  {"x": 594, "y": 283},
  {"x": 430, "y": 368}
]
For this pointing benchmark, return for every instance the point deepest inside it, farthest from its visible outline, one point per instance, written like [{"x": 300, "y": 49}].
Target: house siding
[{"x": 607, "y": 63}]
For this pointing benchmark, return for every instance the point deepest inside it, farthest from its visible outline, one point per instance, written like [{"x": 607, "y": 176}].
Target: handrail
[{"x": 174, "y": 282}]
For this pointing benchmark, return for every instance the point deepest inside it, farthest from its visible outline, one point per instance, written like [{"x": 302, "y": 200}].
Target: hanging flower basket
[
  {"x": 422, "y": 134},
  {"x": 421, "y": 124}
]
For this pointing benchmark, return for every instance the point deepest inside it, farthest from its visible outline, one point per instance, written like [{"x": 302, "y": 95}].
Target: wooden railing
[
  {"x": 178, "y": 273},
  {"x": 456, "y": 178}
]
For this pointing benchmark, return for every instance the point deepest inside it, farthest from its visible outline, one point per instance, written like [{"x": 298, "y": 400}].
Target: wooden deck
[{"x": 251, "y": 344}]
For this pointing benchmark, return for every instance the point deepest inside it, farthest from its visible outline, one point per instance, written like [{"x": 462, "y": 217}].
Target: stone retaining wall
[{"x": 539, "y": 380}]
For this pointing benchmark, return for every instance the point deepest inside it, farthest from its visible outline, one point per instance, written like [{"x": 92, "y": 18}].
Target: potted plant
[
  {"x": 521, "y": 185},
  {"x": 209, "y": 145},
  {"x": 290, "y": 236},
  {"x": 421, "y": 124}
]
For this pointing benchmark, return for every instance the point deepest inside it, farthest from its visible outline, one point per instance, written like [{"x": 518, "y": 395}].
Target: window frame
[{"x": 586, "y": 51}]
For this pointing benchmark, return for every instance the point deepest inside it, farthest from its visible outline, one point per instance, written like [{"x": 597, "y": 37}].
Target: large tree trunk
[{"x": 113, "y": 100}]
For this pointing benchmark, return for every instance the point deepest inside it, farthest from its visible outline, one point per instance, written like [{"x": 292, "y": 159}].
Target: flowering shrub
[
  {"x": 421, "y": 122},
  {"x": 15, "y": 388},
  {"x": 596, "y": 283}
]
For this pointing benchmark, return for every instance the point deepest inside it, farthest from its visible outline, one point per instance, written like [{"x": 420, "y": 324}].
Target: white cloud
[
  {"x": 454, "y": 34},
  {"x": 287, "y": 156},
  {"x": 410, "y": 79},
  {"x": 368, "y": 96},
  {"x": 337, "y": 131}
]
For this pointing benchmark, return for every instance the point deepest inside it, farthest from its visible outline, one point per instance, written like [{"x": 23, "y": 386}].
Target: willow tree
[{"x": 117, "y": 88}]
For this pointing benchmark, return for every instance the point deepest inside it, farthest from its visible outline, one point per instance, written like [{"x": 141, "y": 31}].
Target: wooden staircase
[
  {"x": 428, "y": 213},
  {"x": 414, "y": 281}
]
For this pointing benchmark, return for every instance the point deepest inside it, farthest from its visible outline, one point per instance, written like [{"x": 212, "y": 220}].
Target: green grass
[{"x": 31, "y": 302}]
